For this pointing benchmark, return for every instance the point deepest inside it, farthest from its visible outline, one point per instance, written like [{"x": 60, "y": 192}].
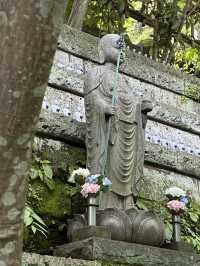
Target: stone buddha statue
[
  {"x": 115, "y": 148},
  {"x": 115, "y": 133}
]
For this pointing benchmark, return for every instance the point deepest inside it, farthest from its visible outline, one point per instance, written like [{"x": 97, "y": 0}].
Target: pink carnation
[
  {"x": 176, "y": 206},
  {"x": 88, "y": 188}
]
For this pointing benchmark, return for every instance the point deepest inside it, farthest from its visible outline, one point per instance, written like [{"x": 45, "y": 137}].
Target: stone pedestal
[
  {"x": 181, "y": 246},
  {"x": 126, "y": 253}
]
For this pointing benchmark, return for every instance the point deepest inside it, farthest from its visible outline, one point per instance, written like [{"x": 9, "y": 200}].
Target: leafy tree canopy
[{"x": 168, "y": 30}]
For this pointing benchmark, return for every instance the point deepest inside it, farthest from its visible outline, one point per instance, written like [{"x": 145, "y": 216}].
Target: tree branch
[{"x": 135, "y": 14}]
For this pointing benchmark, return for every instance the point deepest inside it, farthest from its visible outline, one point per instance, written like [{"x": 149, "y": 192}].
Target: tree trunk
[
  {"x": 28, "y": 30},
  {"x": 78, "y": 13}
]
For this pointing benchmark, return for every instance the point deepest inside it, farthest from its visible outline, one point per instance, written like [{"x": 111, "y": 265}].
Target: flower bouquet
[
  {"x": 178, "y": 201},
  {"x": 90, "y": 186},
  {"x": 94, "y": 184}
]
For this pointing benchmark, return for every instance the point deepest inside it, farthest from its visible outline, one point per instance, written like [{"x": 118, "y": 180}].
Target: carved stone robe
[{"x": 125, "y": 151}]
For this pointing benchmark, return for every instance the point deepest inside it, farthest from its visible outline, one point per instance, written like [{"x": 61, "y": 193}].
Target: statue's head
[{"x": 109, "y": 48}]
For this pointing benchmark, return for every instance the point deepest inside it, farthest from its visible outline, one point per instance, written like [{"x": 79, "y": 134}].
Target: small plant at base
[
  {"x": 42, "y": 169},
  {"x": 34, "y": 222}
]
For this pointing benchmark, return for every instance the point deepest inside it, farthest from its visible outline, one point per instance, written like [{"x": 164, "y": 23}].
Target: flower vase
[
  {"x": 176, "y": 223},
  {"x": 92, "y": 209}
]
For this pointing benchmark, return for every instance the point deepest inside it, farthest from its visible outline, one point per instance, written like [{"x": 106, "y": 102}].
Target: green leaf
[
  {"x": 33, "y": 228},
  {"x": 46, "y": 161},
  {"x": 34, "y": 173},
  {"x": 168, "y": 231},
  {"x": 47, "y": 170},
  {"x": 141, "y": 205},
  {"x": 49, "y": 182},
  {"x": 194, "y": 217},
  {"x": 28, "y": 221},
  {"x": 37, "y": 218},
  {"x": 40, "y": 175},
  {"x": 41, "y": 232},
  {"x": 38, "y": 226}
]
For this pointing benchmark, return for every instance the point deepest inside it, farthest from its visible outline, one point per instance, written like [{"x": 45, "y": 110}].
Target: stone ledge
[
  {"x": 31, "y": 259},
  {"x": 127, "y": 253},
  {"x": 153, "y": 184},
  {"x": 85, "y": 46},
  {"x": 63, "y": 128}
]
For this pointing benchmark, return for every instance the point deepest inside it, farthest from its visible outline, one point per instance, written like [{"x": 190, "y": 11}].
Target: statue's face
[{"x": 112, "y": 49}]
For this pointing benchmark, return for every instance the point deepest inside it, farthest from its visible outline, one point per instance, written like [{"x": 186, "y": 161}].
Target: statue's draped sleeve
[{"x": 97, "y": 100}]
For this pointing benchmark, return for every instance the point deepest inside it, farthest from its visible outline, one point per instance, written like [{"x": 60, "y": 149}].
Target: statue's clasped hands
[{"x": 112, "y": 110}]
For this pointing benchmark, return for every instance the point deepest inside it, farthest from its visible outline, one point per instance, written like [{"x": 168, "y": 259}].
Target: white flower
[
  {"x": 175, "y": 192},
  {"x": 80, "y": 171}
]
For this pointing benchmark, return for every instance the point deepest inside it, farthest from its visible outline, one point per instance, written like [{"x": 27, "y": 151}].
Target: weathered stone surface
[
  {"x": 172, "y": 138},
  {"x": 122, "y": 252},
  {"x": 91, "y": 231},
  {"x": 64, "y": 156},
  {"x": 29, "y": 259},
  {"x": 65, "y": 103},
  {"x": 140, "y": 67},
  {"x": 162, "y": 133},
  {"x": 60, "y": 127},
  {"x": 157, "y": 180},
  {"x": 179, "y": 161},
  {"x": 168, "y": 114},
  {"x": 170, "y": 108},
  {"x": 61, "y": 155}
]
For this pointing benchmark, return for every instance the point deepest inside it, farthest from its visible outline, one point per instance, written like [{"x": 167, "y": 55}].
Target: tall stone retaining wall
[{"x": 172, "y": 150}]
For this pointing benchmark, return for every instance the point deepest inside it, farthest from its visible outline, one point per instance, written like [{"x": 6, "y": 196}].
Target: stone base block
[
  {"x": 126, "y": 253},
  {"x": 91, "y": 231},
  {"x": 181, "y": 246}
]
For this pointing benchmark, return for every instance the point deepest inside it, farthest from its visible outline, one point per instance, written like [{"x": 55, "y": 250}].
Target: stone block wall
[{"x": 172, "y": 151}]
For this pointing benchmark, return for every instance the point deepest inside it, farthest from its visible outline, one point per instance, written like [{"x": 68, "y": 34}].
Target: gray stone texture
[
  {"x": 72, "y": 106},
  {"x": 29, "y": 259},
  {"x": 60, "y": 127},
  {"x": 91, "y": 231},
  {"x": 67, "y": 129},
  {"x": 130, "y": 254},
  {"x": 155, "y": 179},
  {"x": 170, "y": 108},
  {"x": 84, "y": 46}
]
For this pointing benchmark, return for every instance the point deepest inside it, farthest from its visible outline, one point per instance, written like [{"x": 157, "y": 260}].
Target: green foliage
[
  {"x": 42, "y": 169},
  {"x": 192, "y": 91},
  {"x": 190, "y": 221},
  {"x": 191, "y": 228},
  {"x": 34, "y": 222},
  {"x": 188, "y": 60},
  {"x": 162, "y": 28},
  {"x": 102, "y": 18}
]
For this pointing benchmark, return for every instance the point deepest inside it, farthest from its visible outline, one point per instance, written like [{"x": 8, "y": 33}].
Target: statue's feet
[
  {"x": 132, "y": 225},
  {"x": 118, "y": 223},
  {"x": 147, "y": 228}
]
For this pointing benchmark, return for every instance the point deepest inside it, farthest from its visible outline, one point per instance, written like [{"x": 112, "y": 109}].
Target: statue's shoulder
[
  {"x": 93, "y": 78},
  {"x": 94, "y": 72}
]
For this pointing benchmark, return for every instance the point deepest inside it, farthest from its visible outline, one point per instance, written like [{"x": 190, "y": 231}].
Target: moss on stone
[
  {"x": 54, "y": 206},
  {"x": 109, "y": 263},
  {"x": 55, "y": 203}
]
